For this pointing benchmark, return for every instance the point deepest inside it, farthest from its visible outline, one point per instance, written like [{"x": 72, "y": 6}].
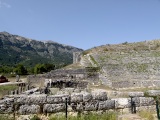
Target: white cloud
[{"x": 3, "y": 4}]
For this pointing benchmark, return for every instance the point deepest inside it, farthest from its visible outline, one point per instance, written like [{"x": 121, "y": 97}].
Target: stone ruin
[
  {"x": 81, "y": 77},
  {"x": 71, "y": 85},
  {"x": 97, "y": 100}
]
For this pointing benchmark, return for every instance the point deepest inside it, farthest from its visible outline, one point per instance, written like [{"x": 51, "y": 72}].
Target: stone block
[
  {"x": 77, "y": 97},
  {"x": 6, "y": 109},
  {"x": 53, "y": 108},
  {"x": 136, "y": 100},
  {"x": 153, "y": 92},
  {"x": 31, "y": 91},
  {"x": 79, "y": 107},
  {"x": 136, "y": 94},
  {"x": 7, "y": 105},
  {"x": 86, "y": 96},
  {"x": 121, "y": 103},
  {"x": 146, "y": 101},
  {"x": 29, "y": 109},
  {"x": 106, "y": 105},
  {"x": 91, "y": 106},
  {"x": 99, "y": 95},
  {"x": 31, "y": 99},
  {"x": 56, "y": 99}
]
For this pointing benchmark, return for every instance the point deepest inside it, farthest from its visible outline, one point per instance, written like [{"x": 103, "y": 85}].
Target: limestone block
[
  {"x": 106, "y": 105},
  {"x": 91, "y": 106},
  {"x": 99, "y": 95},
  {"x": 7, "y": 105},
  {"x": 31, "y": 91},
  {"x": 29, "y": 109},
  {"x": 153, "y": 92},
  {"x": 136, "y": 100},
  {"x": 77, "y": 97},
  {"x": 147, "y": 101},
  {"x": 56, "y": 98},
  {"x": 78, "y": 107},
  {"x": 121, "y": 103},
  {"x": 6, "y": 109},
  {"x": 7, "y": 101},
  {"x": 86, "y": 96},
  {"x": 136, "y": 94},
  {"x": 52, "y": 108},
  {"x": 31, "y": 99}
]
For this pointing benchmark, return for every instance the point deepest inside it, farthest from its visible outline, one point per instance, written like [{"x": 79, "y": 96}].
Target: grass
[
  {"x": 90, "y": 116},
  {"x": 5, "y": 117},
  {"x": 146, "y": 114},
  {"x": 4, "y": 89}
]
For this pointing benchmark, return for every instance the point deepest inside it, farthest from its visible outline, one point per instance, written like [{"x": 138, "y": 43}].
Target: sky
[{"x": 82, "y": 23}]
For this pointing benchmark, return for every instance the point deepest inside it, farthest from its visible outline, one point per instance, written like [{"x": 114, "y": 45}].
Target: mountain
[{"x": 15, "y": 49}]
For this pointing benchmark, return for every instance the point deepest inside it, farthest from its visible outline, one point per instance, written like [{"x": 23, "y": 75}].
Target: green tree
[
  {"x": 39, "y": 68},
  {"x": 20, "y": 69},
  {"x": 49, "y": 67}
]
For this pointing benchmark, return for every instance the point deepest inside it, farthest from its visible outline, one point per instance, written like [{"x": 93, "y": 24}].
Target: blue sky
[{"x": 82, "y": 23}]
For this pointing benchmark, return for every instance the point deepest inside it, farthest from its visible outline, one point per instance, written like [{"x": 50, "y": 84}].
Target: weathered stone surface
[
  {"x": 77, "y": 97},
  {"x": 31, "y": 91},
  {"x": 91, "y": 106},
  {"x": 86, "y": 96},
  {"x": 136, "y": 101},
  {"x": 29, "y": 109},
  {"x": 7, "y": 105},
  {"x": 77, "y": 107},
  {"x": 6, "y": 109},
  {"x": 7, "y": 101},
  {"x": 32, "y": 99},
  {"x": 136, "y": 94},
  {"x": 52, "y": 108},
  {"x": 146, "y": 101},
  {"x": 57, "y": 98},
  {"x": 99, "y": 95},
  {"x": 121, "y": 103},
  {"x": 143, "y": 101},
  {"x": 106, "y": 105},
  {"x": 153, "y": 92}
]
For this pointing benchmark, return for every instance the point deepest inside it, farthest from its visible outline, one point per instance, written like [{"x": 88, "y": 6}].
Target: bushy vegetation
[{"x": 20, "y": 69}]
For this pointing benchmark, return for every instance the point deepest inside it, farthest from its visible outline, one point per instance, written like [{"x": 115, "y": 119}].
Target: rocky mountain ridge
[{"x": 16, "y": 49}]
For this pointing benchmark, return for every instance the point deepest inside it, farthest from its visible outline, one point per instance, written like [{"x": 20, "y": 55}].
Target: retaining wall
[{"x": 84, "y": 101}]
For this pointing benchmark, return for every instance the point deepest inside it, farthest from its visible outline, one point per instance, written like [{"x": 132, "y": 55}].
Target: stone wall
[
  {"x": 77, "y": 102},
  {"x": 63, "y": 75},
  {"x": 136, "y": 84}
]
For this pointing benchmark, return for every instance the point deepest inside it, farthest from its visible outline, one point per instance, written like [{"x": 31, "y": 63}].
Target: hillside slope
[
  {"x": 126, "y": 62},
  {"x": 15, "y": 49}
]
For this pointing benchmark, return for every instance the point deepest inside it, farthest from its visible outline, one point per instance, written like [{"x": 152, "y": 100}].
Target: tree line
[{"x": 20, "y": 69}]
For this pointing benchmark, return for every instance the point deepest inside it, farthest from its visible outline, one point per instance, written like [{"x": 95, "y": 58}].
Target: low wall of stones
[
  {"x": 77, "y": 102},
  {"x": 136, "y": 84},
  {"x": 63, "y": 75}
]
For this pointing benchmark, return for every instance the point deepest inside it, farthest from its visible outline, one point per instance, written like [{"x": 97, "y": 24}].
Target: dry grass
[{"x": 146, "y": 114}]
